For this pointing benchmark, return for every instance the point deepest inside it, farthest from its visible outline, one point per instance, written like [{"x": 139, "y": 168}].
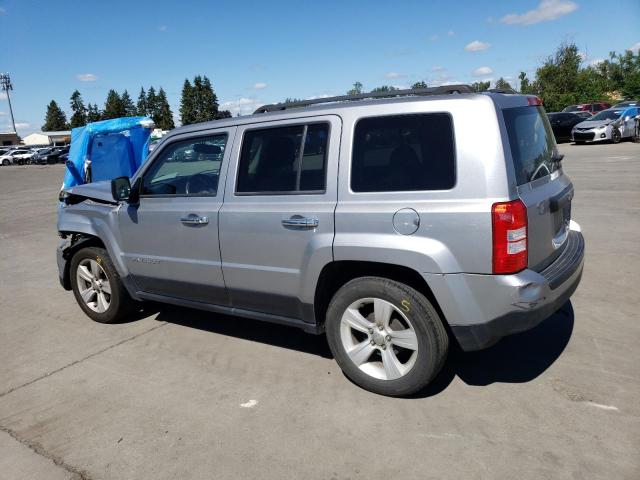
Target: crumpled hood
[
  {"x": 594, "y": 123},
  {"x": 100, "y": 191}
]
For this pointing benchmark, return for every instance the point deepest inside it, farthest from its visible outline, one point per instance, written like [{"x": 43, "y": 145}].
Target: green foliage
[
  {"x": 187, "y": 104},
  {"x": 525, "y": 86},
  {"x": 93, "y": 113},
  {"x": 384, "y": 88},
  {"x": 113, "y": 107},
  {"x": 141, "y": 105},
  {"x": 79, "y": 115},
  {"x": 356, "y": 90},
  {"x": 199, "y": 102},
  {"x": 480, "y": 86},
  {"x": 164, "y": 116},
  {"x": 152, "y": 103},
  {"x": 502, "y": 84},
  {"x": 420, "y": 84},
  {"x": 128, "y": 107},
  {"x": 55, "y": 119},
  {"x": 223, "y": 114}
]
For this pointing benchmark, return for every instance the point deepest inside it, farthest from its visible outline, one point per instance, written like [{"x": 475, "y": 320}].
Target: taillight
[
  {"x": 534, "y": 101},
  {"x": 509, "y": 221}
]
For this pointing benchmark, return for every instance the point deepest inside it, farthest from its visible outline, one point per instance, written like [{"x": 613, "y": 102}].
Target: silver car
[
  {"x": 612, "y": 125},
  {"x": 394, "y": 226}
]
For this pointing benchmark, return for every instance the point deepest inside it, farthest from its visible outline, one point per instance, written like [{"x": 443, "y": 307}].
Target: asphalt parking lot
[{"x": 190, "y": 395}]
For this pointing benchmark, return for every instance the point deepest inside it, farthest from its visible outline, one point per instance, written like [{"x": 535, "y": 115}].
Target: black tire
[
  {"x": 433, "y": 341},
  {"x": 5, "y": 163},
  {"x": 616, "y": 136},
  {"x": 121, "y": 305},
  {"x": 578, "y": 142}
]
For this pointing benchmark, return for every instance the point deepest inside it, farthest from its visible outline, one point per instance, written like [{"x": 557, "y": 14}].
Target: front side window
[
  {"x": 284, "y": 160},
  {"x": 187, "y": 167},
  {"x": 403, "y": 153}
]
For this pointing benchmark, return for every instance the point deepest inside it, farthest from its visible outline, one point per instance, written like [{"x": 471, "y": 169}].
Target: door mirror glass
[{"x": 121, "y": 188}]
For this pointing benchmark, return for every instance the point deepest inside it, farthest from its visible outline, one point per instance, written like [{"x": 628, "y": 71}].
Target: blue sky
[{"x": 259, "y": 52}]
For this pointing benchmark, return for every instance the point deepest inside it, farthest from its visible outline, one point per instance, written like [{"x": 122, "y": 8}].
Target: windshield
[
  {"x": 532, "y": 143},
  {"x": 607, "y": 115},
  {"x": 572, "y": 108}
]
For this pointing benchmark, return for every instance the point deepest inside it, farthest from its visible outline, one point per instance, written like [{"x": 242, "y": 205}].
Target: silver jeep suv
[{"x": 393, "y": 225}]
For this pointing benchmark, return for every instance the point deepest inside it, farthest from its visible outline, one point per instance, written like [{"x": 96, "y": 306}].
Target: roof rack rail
[
  {"x": 502, "y": 90},
  {"x": 443, "y": 90}
]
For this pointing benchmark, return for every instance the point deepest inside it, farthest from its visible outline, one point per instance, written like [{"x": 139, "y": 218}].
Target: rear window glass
[
  {"x": 531, "y": 141},
  {"x": 403, "y": 153}
]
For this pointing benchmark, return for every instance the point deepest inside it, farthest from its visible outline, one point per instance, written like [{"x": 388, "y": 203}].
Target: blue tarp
[{"x": 112, "y": 148}]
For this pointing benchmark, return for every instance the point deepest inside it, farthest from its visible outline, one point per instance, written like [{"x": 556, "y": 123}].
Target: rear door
[
  {"x": 542, "y": 185},
  {"x": 277, "y": 220}
]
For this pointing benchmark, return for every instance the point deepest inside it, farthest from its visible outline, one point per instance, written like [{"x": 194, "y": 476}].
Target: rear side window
[
  {"x": 284, "y": 160},
  {"x": 403, "y": 153},
  {"x": 531, "y": 141}
]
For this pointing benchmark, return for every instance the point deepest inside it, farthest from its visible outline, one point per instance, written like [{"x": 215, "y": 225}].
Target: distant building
[
  {"x": 48, "y": 138},
  {"x": 7, "y": 139}
]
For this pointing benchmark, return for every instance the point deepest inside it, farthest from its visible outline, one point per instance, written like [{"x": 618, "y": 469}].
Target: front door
[
  {"x": 276, "y": 224},
  {"x": 170, "y": 240}
]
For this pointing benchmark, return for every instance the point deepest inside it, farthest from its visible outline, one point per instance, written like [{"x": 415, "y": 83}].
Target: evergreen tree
[
  {"x": 164, "y": 119},
  {"x": 128, "y": 107},
  {"x": 208, "y": 101},
  {"x": 420, "y": 84},
  {"x": 141, "y": 106},
  {"x": 55, "y": 119},
  {"x": 152, "y": 103},
  {"x": 223, "y": 114},
  {"x": 384, "y": 88},
  {"x": 93, "y": 113},
  {"x": 525, "y": 86},
  {"x": 197, "y": 100},
  {"x": 113, "y": 107},
  {"x": 187, "y": 104},
  {"x": 79, "y": 116},
  {"x": 481, "y": 86}
]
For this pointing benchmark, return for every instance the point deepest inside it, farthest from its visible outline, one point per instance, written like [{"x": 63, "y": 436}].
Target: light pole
[{"x": 5, "y": 83}]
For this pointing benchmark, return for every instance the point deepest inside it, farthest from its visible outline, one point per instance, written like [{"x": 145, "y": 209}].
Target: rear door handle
[
  {"x": 298, "y": 221},
  {"x": 193, "y": 219}
]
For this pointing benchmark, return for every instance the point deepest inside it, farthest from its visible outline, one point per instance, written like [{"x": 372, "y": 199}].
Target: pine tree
[
  {"x": 187, "y": 104},
  {"x": 198, "y": 111},
  {"x": 209, "y": 101},
  {"x": 152, "y": 103},
  {"x": 420, "y": 84},
  {"x": 164, "y": 119},
  {"x": 113, "y": 107},
  {"x": 79, "y": 116},
  {"x": 55, "y": 119},
  {"x": 141, "y": 106},
  {"x": 223, "y": 114},
  {"x": 93, "y": 114},
  {"x": 128, "y": 107}
]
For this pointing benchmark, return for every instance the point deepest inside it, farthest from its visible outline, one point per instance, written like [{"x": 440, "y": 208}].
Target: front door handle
[
  {"x": 298, "y": 221},
  {"x": 193, "y": 219}
]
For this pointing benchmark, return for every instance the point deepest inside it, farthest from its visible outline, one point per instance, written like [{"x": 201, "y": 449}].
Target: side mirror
[{"x": 121, "y": 188}]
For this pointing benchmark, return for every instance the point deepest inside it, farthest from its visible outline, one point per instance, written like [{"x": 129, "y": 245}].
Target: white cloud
[
  {"x": 477, "y": 46},
  {"x": 259, "y": 86},
  {"x": 22, "y": 125},
  {"x": 395, "y": 75},
  {"x": 482, "y": 71},
  {"x": 546, "y": 11},
  {"x": 243, "y": 105},
  {"x": 162, "y": 28},
  {"x": 596, "y": 61},
  {"x": 451, "y": 33},
  {"x": 86, "y": 77},
  {"x": 2, "y": 11},
  {"x": 438, "y": 68},
  {"x": 3, "y": 96},
  {"x": 583, "y": 56},
  {"x": 635, "y": 48},
  {"x": 2, "y": 113}
]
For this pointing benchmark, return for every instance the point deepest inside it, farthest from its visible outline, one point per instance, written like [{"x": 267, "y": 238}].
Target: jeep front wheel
[
  {"x": 386, "y": 336},
  {"x": 98, "y": 288}
]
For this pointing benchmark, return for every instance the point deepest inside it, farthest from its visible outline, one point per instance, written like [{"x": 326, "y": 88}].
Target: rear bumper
[{"x": 481, "y": 309}]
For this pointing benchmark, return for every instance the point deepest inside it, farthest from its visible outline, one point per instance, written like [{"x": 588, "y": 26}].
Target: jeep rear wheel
[
  {"x": 98, "y": 288},
  {"x": 386, "y": 336}
]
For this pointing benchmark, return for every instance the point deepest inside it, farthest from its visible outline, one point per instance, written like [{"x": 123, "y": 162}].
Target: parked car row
[
  {"x": 577, "y": 124},
  {"x": 19, "y": 155}
]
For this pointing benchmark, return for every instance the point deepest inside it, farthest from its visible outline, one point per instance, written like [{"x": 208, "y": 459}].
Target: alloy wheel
[
  {"x": 379, "y": 338},
  {"x": 93, "y": 285}
]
